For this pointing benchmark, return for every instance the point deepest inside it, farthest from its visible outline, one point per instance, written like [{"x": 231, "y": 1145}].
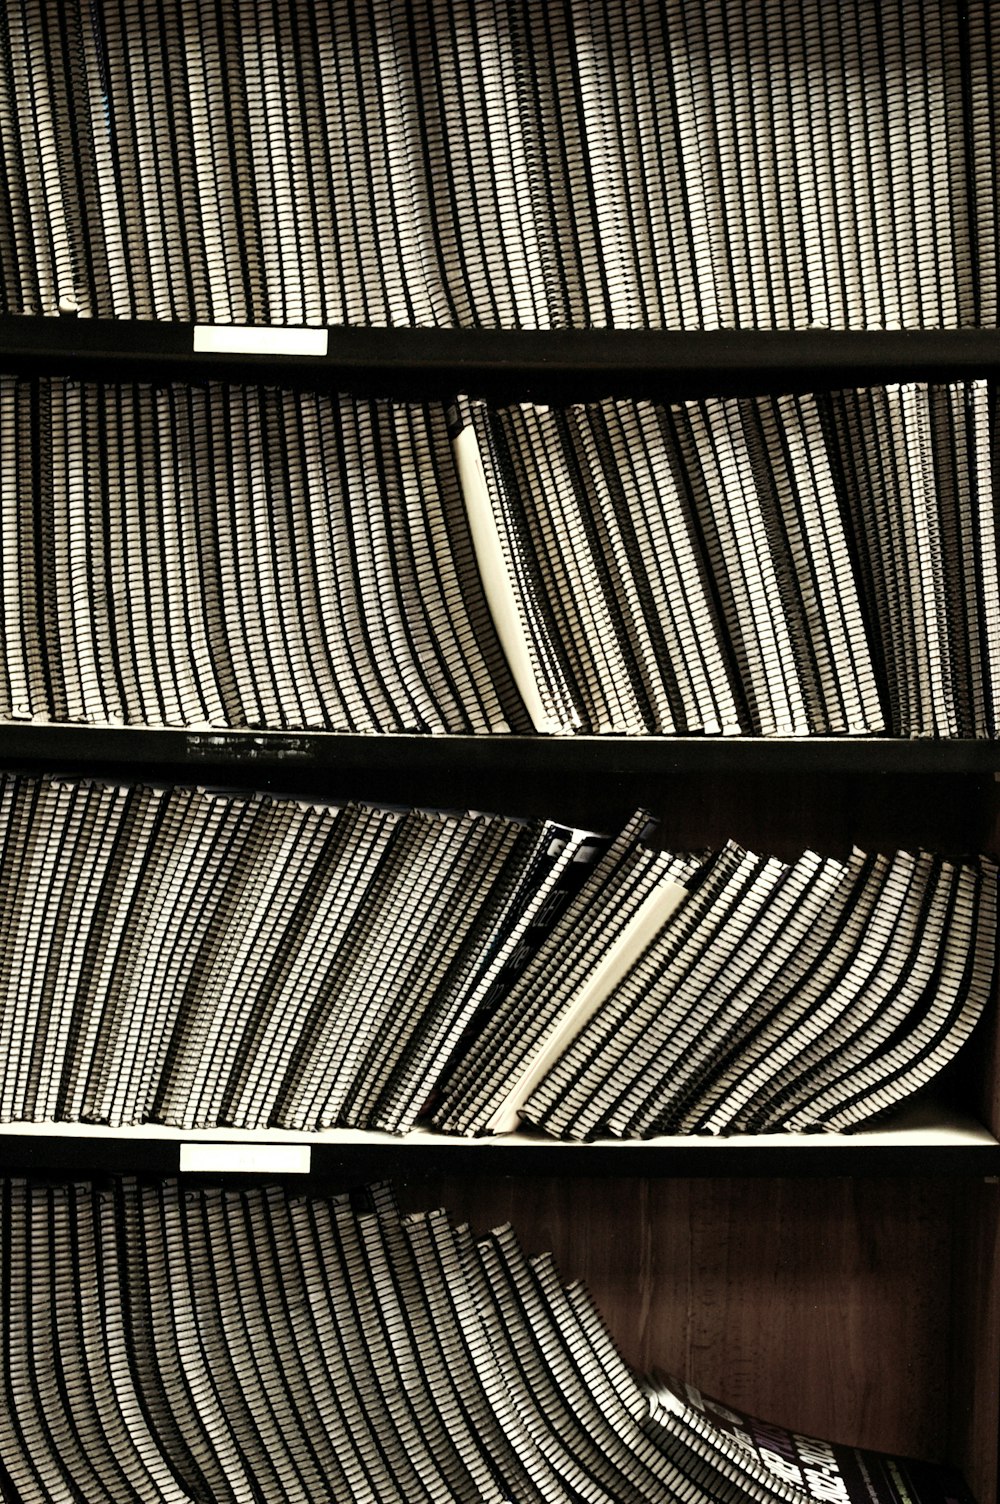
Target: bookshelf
[
  {"x": 929, "y": 1140},
  {"x": 849, "y": 1287}
]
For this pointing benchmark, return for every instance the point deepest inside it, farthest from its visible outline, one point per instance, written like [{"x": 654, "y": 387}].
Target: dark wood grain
[{"x": 845, "y": 1309}]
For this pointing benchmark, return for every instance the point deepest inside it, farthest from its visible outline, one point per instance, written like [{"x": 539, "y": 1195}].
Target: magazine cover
[{"x": 824, "y": 1471}]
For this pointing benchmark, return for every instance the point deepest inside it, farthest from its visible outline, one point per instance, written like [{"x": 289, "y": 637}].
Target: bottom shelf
[
  {"x": 862, "y": 1311},
  {"x": 175, "y": 1342},
  {"x": 857, "y": 1310}
]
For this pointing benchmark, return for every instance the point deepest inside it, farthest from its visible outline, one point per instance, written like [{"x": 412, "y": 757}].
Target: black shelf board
[
  {"x": 90, "y": 1154},
  {"x": 614, "y": 1162},
  {"x": 557, "y": 364},
  {"x": 70, "y": 746}
]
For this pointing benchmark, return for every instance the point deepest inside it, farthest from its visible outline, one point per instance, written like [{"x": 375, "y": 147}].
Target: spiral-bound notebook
[
  {"x": 775, "y": 565},
  {"x": 815, "y": 1468},
  {"x": 483, "y": 165}
]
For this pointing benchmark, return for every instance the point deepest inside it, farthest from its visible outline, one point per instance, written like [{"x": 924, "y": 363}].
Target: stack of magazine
[
  {"x": 749, "y": 994},
  {"x": 210, "y": 958},
  {"x": 815, "y": 1470},
  {"x": 238, "y": 556},
  {"x": 774, "y": 565},
  {"x": 233, "y": 556},
  {"x": 785, "y": 997},
  {"x": 204, "y": 958},
  {"x": 252, "y": 1344},
  {"x": 501, "y": 164}
]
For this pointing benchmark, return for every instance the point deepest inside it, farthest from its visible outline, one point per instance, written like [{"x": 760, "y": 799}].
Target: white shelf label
[
  {"x": 240, "y": 339},
  {"x": 245, "y": 1159}
]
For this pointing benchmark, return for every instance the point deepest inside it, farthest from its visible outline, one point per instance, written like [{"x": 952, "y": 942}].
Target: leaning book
[{"x": 820, "y": 1470}]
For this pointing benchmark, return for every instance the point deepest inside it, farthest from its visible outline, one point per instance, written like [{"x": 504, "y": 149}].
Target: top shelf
[{"x": 545, "y": 365}]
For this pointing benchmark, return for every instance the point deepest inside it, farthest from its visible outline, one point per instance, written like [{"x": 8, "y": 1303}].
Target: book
[{"x": 817, "y": 1470}]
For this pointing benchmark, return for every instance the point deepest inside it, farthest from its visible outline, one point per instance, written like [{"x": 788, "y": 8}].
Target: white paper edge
[
  {"x": 244, "y": 339},
  {"x": 245, "y": 1159},
  {"x": 637, "y": 935},
  {"x": 497, "y": 587}
]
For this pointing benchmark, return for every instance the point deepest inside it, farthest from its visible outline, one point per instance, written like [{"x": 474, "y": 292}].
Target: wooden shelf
[
  {"x": 929, "y": 1140},
  {"x": 507, "y": 364},
  {"x": 65, "y": 745}
]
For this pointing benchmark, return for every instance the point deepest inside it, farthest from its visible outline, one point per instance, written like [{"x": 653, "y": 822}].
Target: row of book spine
[
  {"x": 741, "y": 994},
  {"x": 234, "y": 556},
  {"x": 780, "y": 565},
  {"x": 797, "y": 996},
  {"x": 712, "y": 164},
  {"x": 256, "y": 1344},
  {"x": 202, "y": 959},
  {"x": 238, "y": 556},
  {"x": 207, "y": 958}
]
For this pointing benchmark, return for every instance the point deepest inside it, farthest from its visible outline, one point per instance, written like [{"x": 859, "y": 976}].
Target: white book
[
  {"x": 501, "y": 596},
  {"x": 640, "y": 932},
  {"x": 596, "y": 1081},
  {"x": 608, "y": 898},
  {"x": 708, "y": 1005},
  {"x": 451, "y": 615}
]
